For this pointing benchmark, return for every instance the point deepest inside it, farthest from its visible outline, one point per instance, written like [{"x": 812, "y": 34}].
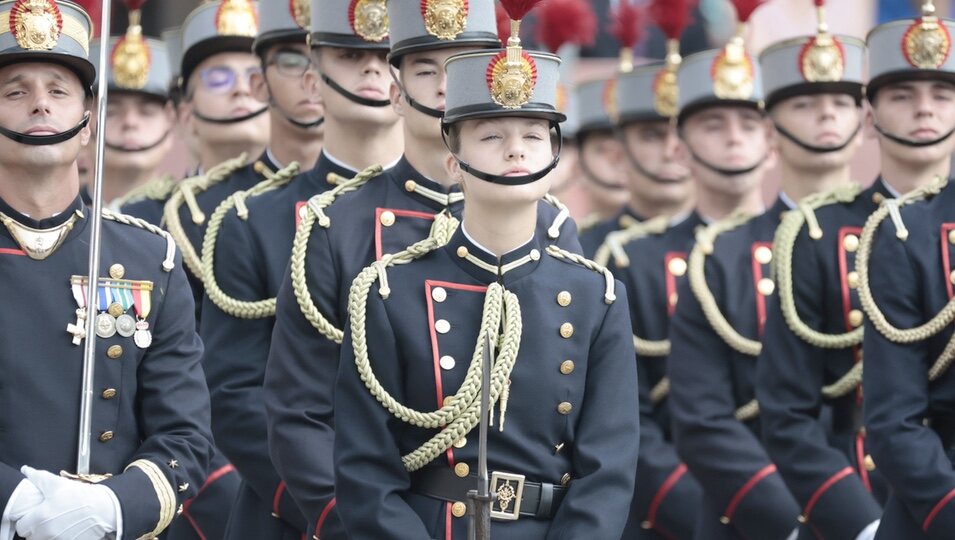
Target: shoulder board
[
  {"x": 169, "y": 261},
  {"x": 553, "y": 232},
  {"x": 240, "y": 309},
  {"x": 185, "y": 193},
  {"x": 580, "y": 260},
  {"x": 157, "y": 189},
  {"x": 616, "y": 240},
  {"x": 705, "y": 240},
  {"x": 783, "y": 245}
]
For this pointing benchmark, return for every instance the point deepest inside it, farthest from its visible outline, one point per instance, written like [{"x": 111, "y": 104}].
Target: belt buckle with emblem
[{"x": 509, "y": 489}]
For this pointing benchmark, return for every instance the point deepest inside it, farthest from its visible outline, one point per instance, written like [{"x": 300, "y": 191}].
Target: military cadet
[
  {"x": 808, "y": 378},
  {"x": 650, "y": 257},
  {"x": 247, "y": 245},
  {"x": 905, "y": 275},
  {"x": 147, "y": 201},
  {"x": 562, "y": 464},
  {"x": 343, "y": 232},
  {"x": 148, "y": 412},
  {"x": 248, "y": 270},
  {"x": 139, "y": 115},
  {"x": 715, "y": 328},
  {"x": 228, "y": 124}
]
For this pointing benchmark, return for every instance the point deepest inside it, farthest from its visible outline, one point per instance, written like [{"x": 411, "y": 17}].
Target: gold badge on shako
[
  {"x": 237, "y": 18},
  {"x": 445, "y": 19},
  {"x": 511, "y": 78},
  {"x": 301, "y": 11},
  {"x": 36, "y": 24},
  {"x": 822, "y": 59},
  {"x": 927, "y": 43},
  {"x": 732, "y": 72},
  {"x": 369, "y": 19}
]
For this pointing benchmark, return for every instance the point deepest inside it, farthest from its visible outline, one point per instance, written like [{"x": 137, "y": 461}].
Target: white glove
[
  {"x": 70, "y": 510},
  {"x": 24, "y": 498},
  {"x": 869, "y": 532}
]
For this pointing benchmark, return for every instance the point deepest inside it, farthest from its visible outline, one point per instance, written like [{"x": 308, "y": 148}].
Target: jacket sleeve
[
  {"x": 173, "y": 417},
  {"x": 371, "y": 476},
  {"x": 909, "y": 453},
  {"x": 9, "y": 480},
  {"x": 300, "y": 386},
  {"x": 237, "y": 350},
  {"x": 723, "y": 454},
  {"x": 790, "y": 377},
  {"x": 606, "y": 445}
]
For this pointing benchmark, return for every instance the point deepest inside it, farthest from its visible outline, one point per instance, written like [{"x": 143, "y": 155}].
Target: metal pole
[{"x": 96, "y": 221}]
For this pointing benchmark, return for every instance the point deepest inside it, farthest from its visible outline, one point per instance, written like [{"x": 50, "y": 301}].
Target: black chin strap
[
  {"x": 726, "y": 172},
  {"x": 816, "y": 149},
  {"x": 352, "y": 97},
  {"x": 44, "y": 140},
  {"x": 236, "y": 120},
  {"x": 118, "y": 148},
  {"x": 294, "y": 122},
  {"x": 910, "y": 142},
  {"x": 420, "y": 107},
  {"x": 509, "y": 180}
]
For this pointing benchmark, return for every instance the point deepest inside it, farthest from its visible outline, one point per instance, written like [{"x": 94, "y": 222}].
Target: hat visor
[
  {"x": 852, "y": 89},
  {"x": 347, "y": 41},
  {"x": 78, "y": 65},
  {"x": 201, "y": 50},
  {"x": 263, "y": 41},
  {"x": 880, "y": 81},
  {"x": 490, "y": 110},
  {"x": 699, "y": 105},
  {"x": 483, "y": 40}
]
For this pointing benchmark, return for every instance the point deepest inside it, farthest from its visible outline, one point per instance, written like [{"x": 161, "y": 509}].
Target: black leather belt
[{"x": 515, "y": 496}]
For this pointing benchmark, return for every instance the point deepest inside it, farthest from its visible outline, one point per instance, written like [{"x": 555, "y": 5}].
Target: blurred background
[{"x": 712, "y": 24}]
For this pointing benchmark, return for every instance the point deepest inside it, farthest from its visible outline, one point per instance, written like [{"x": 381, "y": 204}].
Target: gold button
[
  {"x": 877, "y": 198},
  {"x": 567, "y": 367},
  {"x": 765, "y": 286},
  {"x": 115, "y": 309},
  {"x": 563, "y": 298},
  {"x": 801, "y": 519},
  {"x": 564, "y": 407},
  {"x": 677, "y": 266},
  {"x": 646, "y": 525},
  {"x": 114, "y": 351},
  {"x": 951, "y": 276},
  {"x": 410, "y": 185},
  {"x": 855, "y": 318},
  {"x": 724, "y": 520},
  {"x": 462, "y": 470},
  {"x": 535, "y": 255},
  {"x": 850, "y": 242},
  {"x": 673, "y": 298},
  {"x": 458, "y": 509},
  {"x": 109, "y": 393},
  {"x": 438, "y": 294},
  {"x": 462, "y": 251},
  {"x": 117, "y": 271},
  {"x": 106, "y": 436},
  {"x": 852, "y": 279},
  {"x": 763, "y": 255},
  {"x": 331, "y": 178},
  {"x": 460, "y": 443},
  {"x": 565, "y": 479},
  {"x": 387, "y": 218},
  {"x": 862, "y": 432},
  {"x": 447, "y": 362},
  {"x": 183, "y": 487},
  {"x": 442, "y": 326},
  {"x": 869, "y": 463},
  {"x": 302, "y": 212},
  {"x": 566, "y": 330},
  {"x": 951, "y": 236}
]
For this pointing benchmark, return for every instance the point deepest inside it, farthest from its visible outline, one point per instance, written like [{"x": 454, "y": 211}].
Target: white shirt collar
[{"x": 488, "y": 251}]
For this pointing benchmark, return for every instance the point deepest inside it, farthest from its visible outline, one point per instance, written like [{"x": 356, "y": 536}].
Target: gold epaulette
[
  {"x": 890, "y": 208},
  {"x": 239, "y": 309},
  {"x": 615, "y": 241},
  {"x": 157, "y": 189},
  {"x": 169, "y": 261},
  {"x": 316, "y": 213},
  {"x": 185, "y": 193}
]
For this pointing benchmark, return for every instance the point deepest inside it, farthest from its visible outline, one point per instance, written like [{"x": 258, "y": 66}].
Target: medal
[
  {"x": 143, "y": 338},
  {"x": 105, "y": 325},
  {"x": 125, "y": 325}
]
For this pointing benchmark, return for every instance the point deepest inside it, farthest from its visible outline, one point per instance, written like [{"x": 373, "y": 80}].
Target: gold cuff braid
[{"x": 164, "y": 492}]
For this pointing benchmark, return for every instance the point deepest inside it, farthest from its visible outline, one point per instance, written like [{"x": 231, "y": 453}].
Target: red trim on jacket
[
  {"x": 747, "y": 487},
  {"x": 844, "y": 268},
  {"x": 672, "y": 281},
  {"x": 211, "y": 479},
  {"x": 822, "y": 489},
  {"x": 860, "y": 461},
  {"x": 946, "y": 227},
  {"x": 324, "y": 515},
  {"x": 9, "y": 251},
  {"x": 277, "y": 498},
  {"x": 757, "y": 276},
  {"x": 938, "y": 508},
  {"x": 665, "y": 488},
  {"x": 397, "y": 213}
]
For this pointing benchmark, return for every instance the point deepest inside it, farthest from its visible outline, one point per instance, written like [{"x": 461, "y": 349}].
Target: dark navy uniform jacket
[
  {"x": 251, "y": 257},
  {"x": 593, "y": 237},
  {"x": 824, "y": 466},
  {"x": 909, "y": 419},
  {"x": 744, "y": 496},
  {"x": 150, "y": 410},
  {"x": 383, "y": 216},
  {"x": 563, "y": 422},
  {"x": 667, "y": 498}
]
